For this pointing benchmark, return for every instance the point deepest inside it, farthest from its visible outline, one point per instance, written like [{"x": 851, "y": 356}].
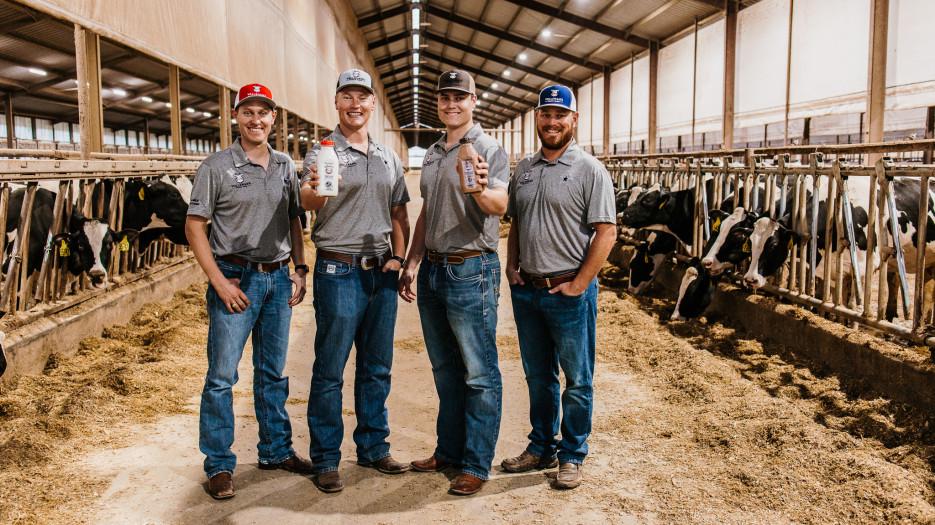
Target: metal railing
[
  {"x": 883, "y": 286},
  {"x": 80, "y": 186}
]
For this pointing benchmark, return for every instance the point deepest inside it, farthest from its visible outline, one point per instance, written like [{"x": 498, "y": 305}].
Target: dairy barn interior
[{"x": 764, "y": 321}]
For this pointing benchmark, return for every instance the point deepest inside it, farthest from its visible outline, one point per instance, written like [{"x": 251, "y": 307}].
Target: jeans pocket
[
  {"x": 465, "y": 272},
  {"x": 231, "y": 270},
  {"x": 331, "y": 267}
]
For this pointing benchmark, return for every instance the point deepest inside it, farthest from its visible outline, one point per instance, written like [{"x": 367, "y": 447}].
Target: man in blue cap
[{"x": 563, "y": 226}]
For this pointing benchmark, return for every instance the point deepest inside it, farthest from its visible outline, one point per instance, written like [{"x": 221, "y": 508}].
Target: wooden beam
[
  {"x": 295, "y": 143},
  {"x": 10, "y": 121},
  {"x": 653, "y": 80},
  {"x": 876, "y": 88},
  {"x": 146, "y": 136},
  {"x": 785, "y": 132},
  {"x": 90, "y": 106},
  {"x": 730, "y": 62},
  {"x": 929, "y": 132},
  {"x": 175, "y": 112},
  {"x": 224, "y": 111},
  {"x": 606, "y": 135},
  {"x": 380, "y": 16},
  {"x": 282, "y": 130}
]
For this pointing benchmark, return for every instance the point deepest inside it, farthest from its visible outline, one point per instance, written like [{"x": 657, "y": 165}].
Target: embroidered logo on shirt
[
  {"x": 239, "y": 181},
  {"x": 526, "y": 177}
]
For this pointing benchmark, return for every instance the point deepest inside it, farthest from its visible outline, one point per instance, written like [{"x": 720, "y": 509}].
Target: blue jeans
[
  {"x": 356, "y": 307},
  {"x": 557, "y": 331},
  {"x": 267, "y": 319},
  {"x": 458, "y": 309}
]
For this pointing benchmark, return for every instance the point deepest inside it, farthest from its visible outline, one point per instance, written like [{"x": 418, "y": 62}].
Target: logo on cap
[
  {"x": 256, "y": 89},
  {"x": 355, "y": 75},
  {"x": 554, "y": 92},
  {"x": 453, "y": 75}
]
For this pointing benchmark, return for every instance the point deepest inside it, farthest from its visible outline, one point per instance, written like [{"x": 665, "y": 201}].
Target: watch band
[
  {"x": 398, "y": 258},
  {"x": 298, "y": 267}
]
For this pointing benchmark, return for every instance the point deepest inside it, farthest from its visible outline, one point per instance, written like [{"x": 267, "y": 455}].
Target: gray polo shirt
[
  {"x": 357, "y": 220},
  {"x": 249, "y": 208},
  {"x": 554, "y": 205},
  {"x": 453, "y": 220}
]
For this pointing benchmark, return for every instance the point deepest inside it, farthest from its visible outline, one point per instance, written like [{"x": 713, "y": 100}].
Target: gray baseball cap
[
  {"x": 456, "y": 80},
  {"x": 354, "y": 77}
]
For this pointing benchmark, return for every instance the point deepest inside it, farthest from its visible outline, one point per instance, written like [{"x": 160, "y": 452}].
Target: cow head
[
  {"x": 641, "y": 269},
  {"x": 146, "y": 203},
  {"x": 728, "y": 244},
  {"x": 771, "y": 242},
  {"x": 650, "y": 207},
  {"x": 87, "y": 247}
]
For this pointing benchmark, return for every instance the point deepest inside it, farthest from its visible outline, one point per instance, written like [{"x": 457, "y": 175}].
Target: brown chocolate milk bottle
[{"x": 467, "y": 160}]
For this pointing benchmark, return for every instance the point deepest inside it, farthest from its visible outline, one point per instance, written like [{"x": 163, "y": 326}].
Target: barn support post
[{"x": 90, "y": 106}]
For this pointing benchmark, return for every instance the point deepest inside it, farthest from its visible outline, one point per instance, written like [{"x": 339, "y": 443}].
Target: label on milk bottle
[{"x": 469, "y": 180}]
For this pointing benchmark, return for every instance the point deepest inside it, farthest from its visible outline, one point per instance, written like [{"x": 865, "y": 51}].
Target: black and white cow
[
  {"x": 695, "y": 291},
  {"x": 84, "y": 248},
  {"x": 647, "y": 259},
  {"x": 729, "y": 243},
  {"x": 154, "y": 208},
  {"x": 770, "y": 243}
]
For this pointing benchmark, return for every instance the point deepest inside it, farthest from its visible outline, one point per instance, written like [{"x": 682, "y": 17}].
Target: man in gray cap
[
  {"x": 360, "y": 236},
  {"x": 455, "y": 240},
  {"x": 563, "y": 227}
]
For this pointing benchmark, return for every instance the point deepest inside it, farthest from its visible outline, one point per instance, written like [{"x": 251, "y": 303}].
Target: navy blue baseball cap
[{"x": 558, "y": 96}]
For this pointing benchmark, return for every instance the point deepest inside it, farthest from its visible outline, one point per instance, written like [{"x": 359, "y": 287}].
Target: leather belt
[
  {"x": 541, "y": 281},
  {"x": 452, "y": 258},
  {"x": 365, "y": 262},
  {"x": 260, "y": 267}
]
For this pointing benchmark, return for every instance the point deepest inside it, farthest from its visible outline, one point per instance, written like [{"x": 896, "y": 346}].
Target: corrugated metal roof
[{"x": 489, "y": 37}]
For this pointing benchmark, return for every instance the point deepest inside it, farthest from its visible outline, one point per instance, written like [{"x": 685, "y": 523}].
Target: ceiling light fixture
[
  {"x": 118, "y": 91},
  {"x": 37, "y": 71},
  {"x": 147, "y": 100},
  {"x": 522, "y": 57}
]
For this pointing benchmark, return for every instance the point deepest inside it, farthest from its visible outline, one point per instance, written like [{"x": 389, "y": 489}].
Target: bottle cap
[{"x": 327, "y": 143}]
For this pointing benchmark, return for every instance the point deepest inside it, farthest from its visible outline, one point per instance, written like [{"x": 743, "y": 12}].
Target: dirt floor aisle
[{"x": 693, "y": 424}]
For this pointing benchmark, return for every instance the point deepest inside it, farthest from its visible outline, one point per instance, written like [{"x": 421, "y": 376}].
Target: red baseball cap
[{"x": 254, "y": 92}]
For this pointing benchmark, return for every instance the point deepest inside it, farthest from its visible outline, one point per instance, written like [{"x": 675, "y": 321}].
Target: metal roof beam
[
  {"x": 383, "y": 15},
  {"x": 393, "y": 58},
  {"x": 388, "y": 40},
  {"x": 476, "y": 71},
  {"x": 581, "y": 21},
  {"x": 504, "y": 35}
]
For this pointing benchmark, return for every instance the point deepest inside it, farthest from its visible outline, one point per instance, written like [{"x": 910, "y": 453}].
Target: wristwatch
[
  {"x": 402, "y": 261},
  {"x": 301, "y": 267}
]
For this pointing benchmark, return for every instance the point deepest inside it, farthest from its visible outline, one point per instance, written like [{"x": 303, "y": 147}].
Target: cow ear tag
[
  {"x": 746, "y": 246},
  {"x": 124, "y": 244},
  {"x": 63, "y": 249},
  {"x": 790, "y": 243},
  {"x": 141, "y": 194},
  {"x": 646, "y": 257},
  {"x": 717, "y": 225}
]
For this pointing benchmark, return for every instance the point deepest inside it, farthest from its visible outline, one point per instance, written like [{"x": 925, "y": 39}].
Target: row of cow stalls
[
  {"x": 835, "y": 229},
  {"x": 75, "y": 228}
]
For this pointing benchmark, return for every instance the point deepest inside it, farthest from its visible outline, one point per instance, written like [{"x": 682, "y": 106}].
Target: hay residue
[{"x": 131, "y": 374}]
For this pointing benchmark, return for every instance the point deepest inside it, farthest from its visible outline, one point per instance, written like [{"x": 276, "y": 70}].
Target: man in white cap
[
  {"x": 361, "y": 237},
  {"x": 563, "y": 227},
  {"x": 250, "y": 193}
]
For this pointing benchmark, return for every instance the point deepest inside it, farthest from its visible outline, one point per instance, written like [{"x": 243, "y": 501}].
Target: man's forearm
[
  {"x": 201, "y": 248},
  {"x": 417, "y": 249},
  {"x": 492, "y": 201},
  {"x": 603, "y": 241},
  {"x": 298, "y": 244},
  {"x": 399, "y": 236},
  {"x": 512, "y": 247}
]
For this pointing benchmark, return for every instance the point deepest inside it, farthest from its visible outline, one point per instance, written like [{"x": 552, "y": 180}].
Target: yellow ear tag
[
  {"x": 124, "y": 244},
  {"x": 646, "y": 257},
  {"x": 717, "y": 225},
  {"x": 790, "y": 243},
  {"x": 746, "y": 246},
  {"x": 662, "y": 204},
  {"x": 63, "y": 249},
  {"x": 141, "y": 194}
]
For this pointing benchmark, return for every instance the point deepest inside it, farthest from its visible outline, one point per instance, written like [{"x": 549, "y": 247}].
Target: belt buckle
[
  {"x": 548, "y": 282},
  {"x": 366, "y": 264}
]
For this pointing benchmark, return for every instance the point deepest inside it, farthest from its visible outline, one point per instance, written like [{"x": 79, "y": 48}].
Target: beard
[{"x": 558, "y": 143}]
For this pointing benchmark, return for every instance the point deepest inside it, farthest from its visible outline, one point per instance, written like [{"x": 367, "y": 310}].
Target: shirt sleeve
[
  {"x": 295, "y": 205},
  {"x": 204, "y": 192},
  {"x": 499, "y": 171},
  {"x": 400, "y": 192},
  {"x": 601, "y": 205}
]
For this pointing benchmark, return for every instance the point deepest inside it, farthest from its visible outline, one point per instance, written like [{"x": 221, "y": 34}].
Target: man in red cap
[{"x": 250, "y": 193}]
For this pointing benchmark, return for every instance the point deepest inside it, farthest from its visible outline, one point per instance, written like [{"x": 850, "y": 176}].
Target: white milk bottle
[{"x": 327, "y": 170}]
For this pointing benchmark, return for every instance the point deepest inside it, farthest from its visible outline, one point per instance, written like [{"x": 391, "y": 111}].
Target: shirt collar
[
  {"x": 240, "y": 156},
  {"x": 341, "y": 143},
  {"x": 472, "y": 134},
  {"x": 568, "y": 157}
]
